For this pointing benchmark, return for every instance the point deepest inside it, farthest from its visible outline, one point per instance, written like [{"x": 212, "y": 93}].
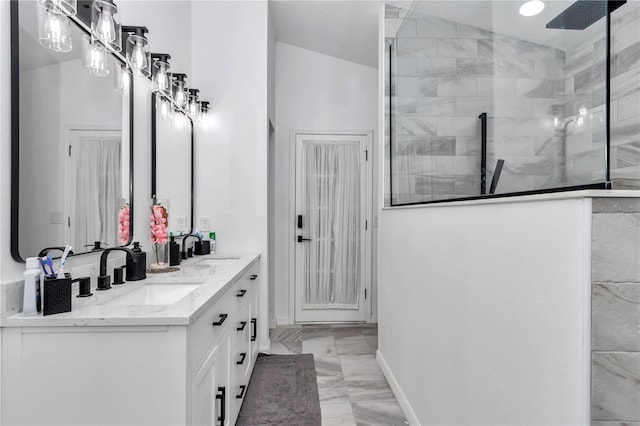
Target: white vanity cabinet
[{"x": 193, "y": 373}]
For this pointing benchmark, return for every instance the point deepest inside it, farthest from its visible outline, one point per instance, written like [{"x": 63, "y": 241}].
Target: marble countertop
[{"x": 96, "y": 311}]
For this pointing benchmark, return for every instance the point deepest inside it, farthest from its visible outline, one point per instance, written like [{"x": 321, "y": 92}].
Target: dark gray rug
[{"x": 283, "y": 391}]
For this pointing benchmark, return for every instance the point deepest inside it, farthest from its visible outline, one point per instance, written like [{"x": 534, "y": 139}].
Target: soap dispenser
[
  {"x": 174, "y": 251},
  {"x": 137, "y": 270}
]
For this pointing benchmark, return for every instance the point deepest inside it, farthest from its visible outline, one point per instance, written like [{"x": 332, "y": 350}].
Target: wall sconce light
[
  {"x": 205, "y": 120},
  {"x": 105, "y": 24},
  {"x": 122, "y": 79},
  {"x": 161, "y": 73},
  {"x": 137, "y": 52},
  {"x": 163, "y": 106},
  {"x": 64, "y": 7},
  {"x": 194, "y": 104},
  {"x": 180, "y": 94},
  {"x": 54, "y": 29},
  {"x": 94, "y": 58}
]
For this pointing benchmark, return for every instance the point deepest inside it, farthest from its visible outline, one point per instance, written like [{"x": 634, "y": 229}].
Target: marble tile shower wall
[
  {"x": 445, "y": 75},
  {"x": 615, "y": 325},
  {"x": 585, "y": 88}
]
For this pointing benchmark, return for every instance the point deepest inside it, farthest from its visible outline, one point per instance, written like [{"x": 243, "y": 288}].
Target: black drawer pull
[
  {"x": 241, "y": 293},
  {"x": 242, "y": 389},
  {"x": 253, "y": 277},
  {"x": 242, "y": 325},
  {"x": 221, "y": 320},
  {"x": 243, "y": 355},
  {"x": 221, "y": 395},
  {"x": 254, "y": 331}
]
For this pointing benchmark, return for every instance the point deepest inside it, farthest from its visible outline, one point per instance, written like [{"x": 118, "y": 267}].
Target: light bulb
[
  {"x": 106, "y": 29},
  {"x": 138, "y": 57},
  {"x": 95, "y": 58},
  {"x": 180, "y": 97},
  {"x": 164, "y": 109},
  {"x": 162, "y": 80}
]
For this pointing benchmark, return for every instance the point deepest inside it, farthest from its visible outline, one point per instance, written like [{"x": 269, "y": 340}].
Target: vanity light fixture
[
  {"x": 194, "y": 103},
  {"x": 95, "y": 58},
  {"x": 531, "y": 8},
  {"x": 137, "y": 51},
  {"x": 122, "y": 79},
  {"x": 64, "y": 7},
  {"x": 105, "y": 24},
  {"x": 54, "y": 29},
  {"x": 180, "y": 96},
  {"x": 161, "y": 73}
]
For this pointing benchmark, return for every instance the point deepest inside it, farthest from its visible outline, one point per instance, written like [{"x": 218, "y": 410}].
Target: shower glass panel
[{"x": 543, "y": 89}]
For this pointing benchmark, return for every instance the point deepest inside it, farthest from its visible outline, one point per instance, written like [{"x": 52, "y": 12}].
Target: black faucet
[
  {"x": 104, "y": 280},
  {"x": 186, "y": 254},
  {"x": 45, "y": 251}
]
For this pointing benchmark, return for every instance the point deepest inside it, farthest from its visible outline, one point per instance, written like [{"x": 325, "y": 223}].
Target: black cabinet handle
[
  {"x": 242, "y": 324},
  {"x": 241, "y": 394},
  {"x": 253, "y": 277},
  {"x": 221, "y": 320},
  {"x": 299, "y": 221},
  {"x": 300, "y": 239},
  {"x": 241, "y": 293},
  {"x": 243, "y": 355},
  {"x": 254, "y": 331},
  {"x": 221, "y": 395}
]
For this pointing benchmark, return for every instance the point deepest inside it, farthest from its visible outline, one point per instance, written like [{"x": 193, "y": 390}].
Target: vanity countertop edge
[{"x": 184, "y": 312}]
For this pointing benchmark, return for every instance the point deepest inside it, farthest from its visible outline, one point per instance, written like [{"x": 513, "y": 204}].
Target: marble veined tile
[
  {"x": 328, "y": 365},
  {"x": 627, "y": 59},
  {"x": 616, "y": 205},
  {"x": 616, "y": 317},
  {"x": 614, "y": 423},
  {"x": 458, "y": 126},
  {"x": 332, "y": 389},
  {"x": 457, "y": 87},
  {"x": 457, "y": 48},
  {"x": 337, "y": 413},
  {"x": 466, "y": 31},
  {"x": 624, "y": 84},
  {"x": 436, "y": 67},
  {"x": 432, "y": 27},
  {"x": 549, "y": 146},
  {"x": 542, "y": 126},
  {"x": 497, "y": 87},
  {"x": 615, "y": 386},
  {"x": 354, "y": 345},
  {"x": 321, "y": 347},
  {"x": 474, "y": 106},
  {"x": 286, "y": 334},
  {"x": 615, "y": 249},
  {"x": 435, "y": 106},
  {"x": 379, "y": 413},
  {"x": 513, "y": 107},
  {"x": 629, "y": 106},
  {"x": 278, "y": 348},
  {"x": 361, "y": 367},
  {"x": 535, "y": 88},
  {"x": 628, "y": 155},
  {"x": 368, "y": 390},
  {"x": 474, "y": 67},
  {"x": 418, "y": 47},
  {"x": 416, "y": 125}
]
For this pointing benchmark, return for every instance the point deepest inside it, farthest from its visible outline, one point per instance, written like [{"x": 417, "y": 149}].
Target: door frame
[{"x": 368, "y": 169}]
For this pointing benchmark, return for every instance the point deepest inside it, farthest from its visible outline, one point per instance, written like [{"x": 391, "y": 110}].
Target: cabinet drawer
[{"x": 202, "y": 334}]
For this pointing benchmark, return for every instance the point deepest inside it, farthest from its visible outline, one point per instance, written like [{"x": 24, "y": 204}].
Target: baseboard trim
[
  {"x": 283, "y": 321},
  {"x": 397, "y": 392},
  {"x": 373, "y": 319},
  {"x": 273, "y": 323},
  {"x": 266, "y": 349}
]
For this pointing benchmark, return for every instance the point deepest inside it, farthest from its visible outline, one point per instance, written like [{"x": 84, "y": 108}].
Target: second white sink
[{"x": 155, "y": 294}]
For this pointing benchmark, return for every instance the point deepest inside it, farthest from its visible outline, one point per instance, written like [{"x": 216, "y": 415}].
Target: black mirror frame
[
  {"x": 15, "y": 131},
  {"x": 154, "y": 166}
]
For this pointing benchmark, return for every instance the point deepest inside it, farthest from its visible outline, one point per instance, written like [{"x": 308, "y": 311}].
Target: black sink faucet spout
[
  {"x": 184, "y": 240},
  {"x": 104, "y": 280}
]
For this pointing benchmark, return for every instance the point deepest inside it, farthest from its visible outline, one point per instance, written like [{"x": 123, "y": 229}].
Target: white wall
[
  {"x": 484, "y": 311},
  {"x": 230, "y": 68},
  {"x": 313, "y": 92}
]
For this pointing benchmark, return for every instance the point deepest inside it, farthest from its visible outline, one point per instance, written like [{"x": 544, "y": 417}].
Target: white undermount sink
[{"x": 155, "y": 294}]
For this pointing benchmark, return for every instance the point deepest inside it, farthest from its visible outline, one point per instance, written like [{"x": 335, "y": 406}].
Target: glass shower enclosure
[{"x": 482, "y": 101}]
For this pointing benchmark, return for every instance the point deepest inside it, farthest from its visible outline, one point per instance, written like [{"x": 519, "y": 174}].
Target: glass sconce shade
[
  {"x": 164, "y": 108},
  {"x": 54, "y": 29},
  {"x": 122, "y": 80},
  {"x": 180, "y": 96},
  {"x": 105, "y": 24},
  {"x": 64, "y": 7},
  {"x": 94, "y": 58},
  {"x": 194, "y": 103},
  {"x": 162, "y": 77},
  {"x": 138, "y": 55}
]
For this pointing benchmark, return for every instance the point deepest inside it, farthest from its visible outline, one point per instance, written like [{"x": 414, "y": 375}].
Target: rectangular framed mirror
[
  {"x": 72, "y": 137},
  {"x": 172, "y": 155}
]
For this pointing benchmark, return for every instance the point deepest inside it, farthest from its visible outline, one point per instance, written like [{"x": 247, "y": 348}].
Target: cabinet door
[{"x": 210, "y": 391}]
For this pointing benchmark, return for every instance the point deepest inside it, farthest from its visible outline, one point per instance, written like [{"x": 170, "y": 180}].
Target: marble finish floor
[{"x": 351, "y": 386}]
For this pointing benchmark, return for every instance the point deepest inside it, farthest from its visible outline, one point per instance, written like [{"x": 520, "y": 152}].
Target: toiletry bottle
[
  {"x": 174, "y": 251},
  {"x": 212, "y": 237},
  {"x": 31, "y": 303}
]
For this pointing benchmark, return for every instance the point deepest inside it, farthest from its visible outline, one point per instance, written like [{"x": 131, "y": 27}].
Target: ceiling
[{"x": 349, "y": 29}]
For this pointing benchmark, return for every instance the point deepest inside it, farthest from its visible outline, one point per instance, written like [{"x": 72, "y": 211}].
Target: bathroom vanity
[{"x": 176, "y": 348}]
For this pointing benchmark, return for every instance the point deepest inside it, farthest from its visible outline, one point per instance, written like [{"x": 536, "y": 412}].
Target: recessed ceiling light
[{"x": 531, "y": 8}]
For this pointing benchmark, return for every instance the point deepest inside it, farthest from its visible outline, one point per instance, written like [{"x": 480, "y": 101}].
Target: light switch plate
[
  {"x": 181, "y": 223},
  {"x": 56, "y": 217},
  {"x": 205, "y": 223}
]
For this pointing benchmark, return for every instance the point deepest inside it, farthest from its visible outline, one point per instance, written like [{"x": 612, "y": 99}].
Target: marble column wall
[
  {"x": 615, "y": 273},
  {"x": 444, "y": 75},
  {"x": 585, "y": 88}
]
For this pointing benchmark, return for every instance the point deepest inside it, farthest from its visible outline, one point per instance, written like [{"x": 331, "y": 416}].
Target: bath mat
[{"x": 282, "y": 391}]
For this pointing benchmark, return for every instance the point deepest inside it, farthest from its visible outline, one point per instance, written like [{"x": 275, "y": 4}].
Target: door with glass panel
[{"x": 330, "y": 227}]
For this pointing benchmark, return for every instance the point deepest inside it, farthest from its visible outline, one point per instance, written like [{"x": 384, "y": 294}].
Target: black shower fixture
[{"x": 583, "y": 13}]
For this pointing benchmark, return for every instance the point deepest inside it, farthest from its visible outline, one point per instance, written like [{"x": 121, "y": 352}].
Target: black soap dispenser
[
  {"x": 137, "y": 270},
  {"x": 174, "y": 251}
]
